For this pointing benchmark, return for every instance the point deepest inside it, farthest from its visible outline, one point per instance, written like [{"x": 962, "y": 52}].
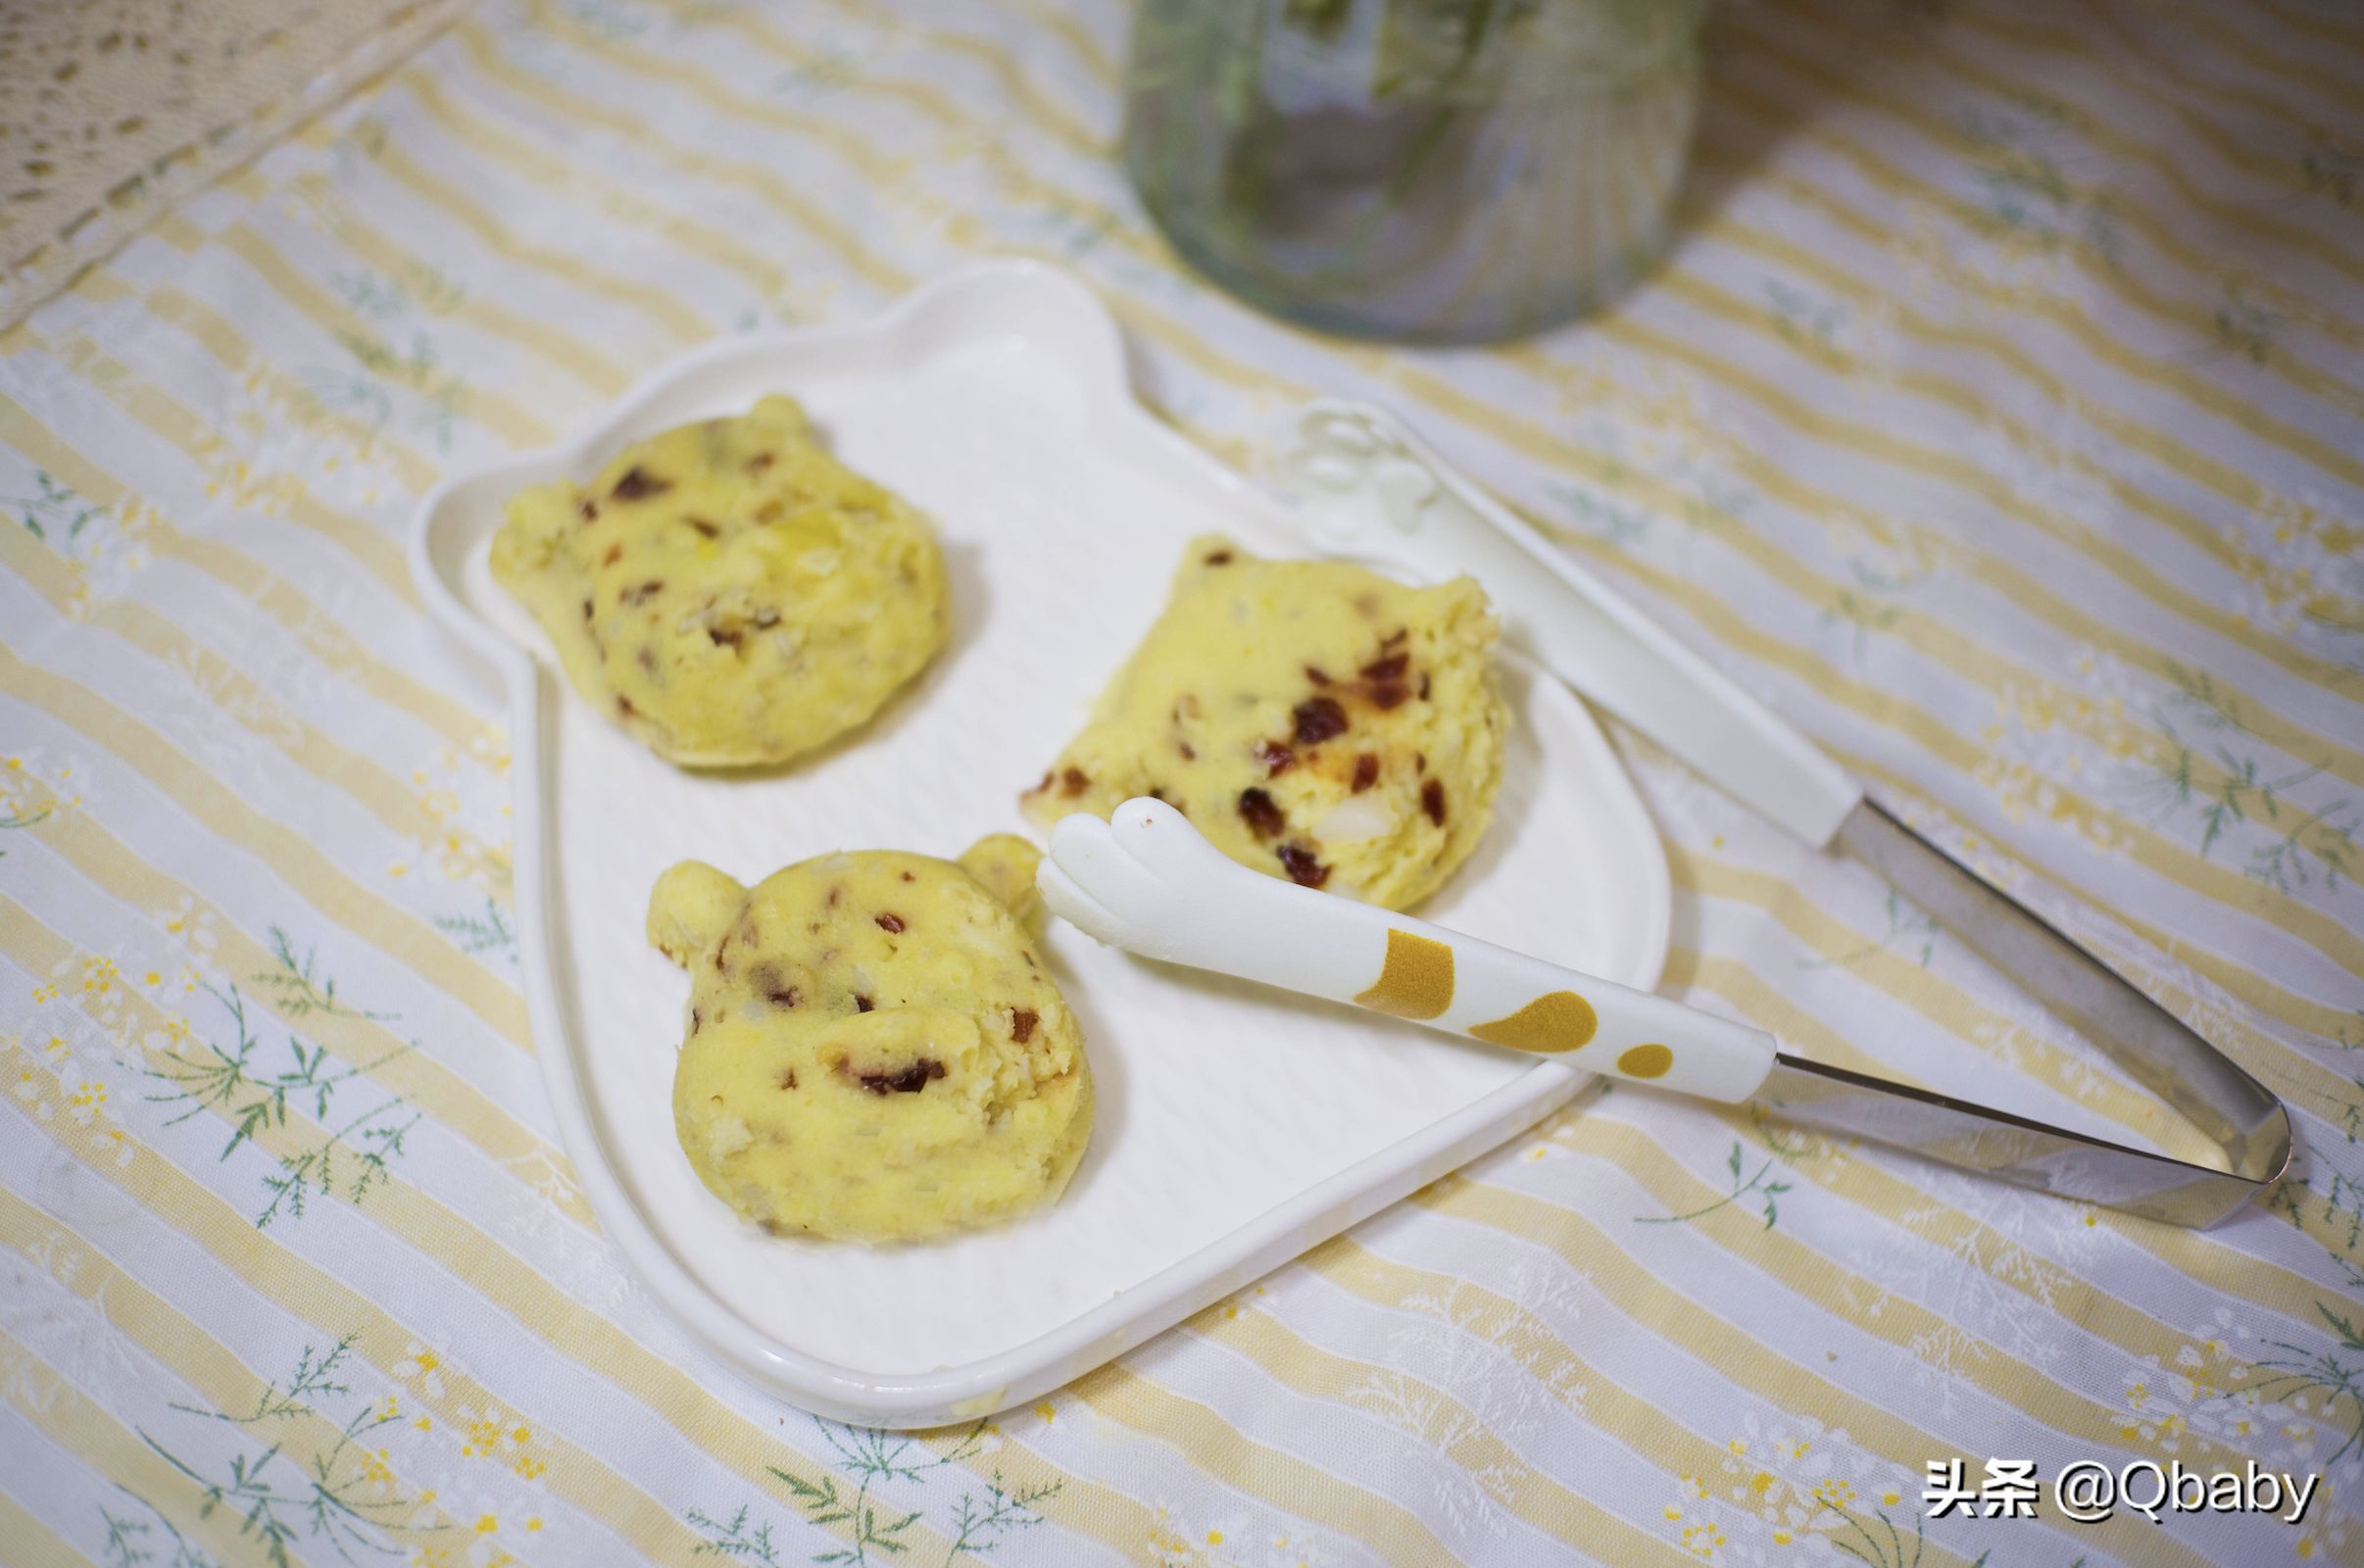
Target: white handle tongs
[{"x": 1371, "y": 490}]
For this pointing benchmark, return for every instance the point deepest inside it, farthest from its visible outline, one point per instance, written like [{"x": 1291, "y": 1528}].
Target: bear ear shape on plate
[
  {"x": 1003, "y": 865},
  {"x": 690, "y": 907}
]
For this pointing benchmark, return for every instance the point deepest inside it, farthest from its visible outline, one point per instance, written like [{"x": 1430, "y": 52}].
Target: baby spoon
[{"x": 1146, "y": 881}]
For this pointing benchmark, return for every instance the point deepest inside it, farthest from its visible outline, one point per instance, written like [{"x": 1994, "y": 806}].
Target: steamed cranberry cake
[
  {"x": 1314, "y": 720},
  {"x": 727, "y": 591},
  {"x": 876, "y": 1050}
]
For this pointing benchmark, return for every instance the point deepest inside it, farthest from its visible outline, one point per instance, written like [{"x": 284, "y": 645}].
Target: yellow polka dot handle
[{"x": 1145, "y": 881}]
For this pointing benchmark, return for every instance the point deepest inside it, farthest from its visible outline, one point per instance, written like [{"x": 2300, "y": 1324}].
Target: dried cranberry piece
[
  {"x": 1262, "y": 814},
  {"x": 1303, "y": 868},
  {"x": 1317, "y": 719},
  {"x": 909, "y": 1081},
  {"x": 1276, "y": 757}
]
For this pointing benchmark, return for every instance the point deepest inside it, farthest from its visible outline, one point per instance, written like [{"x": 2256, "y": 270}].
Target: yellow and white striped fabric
[{"x": 1999, "y": 418}]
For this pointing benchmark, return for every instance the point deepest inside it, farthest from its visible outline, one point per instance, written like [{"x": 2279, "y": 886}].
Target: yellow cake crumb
[
  {"x": 727, "y": 591},
  {"x": 1314, "y": 721},
  {"x": 876, "y": 1050}
]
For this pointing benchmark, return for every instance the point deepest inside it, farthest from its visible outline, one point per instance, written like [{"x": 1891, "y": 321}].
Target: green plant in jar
[{"x": 1441, "y": 171}]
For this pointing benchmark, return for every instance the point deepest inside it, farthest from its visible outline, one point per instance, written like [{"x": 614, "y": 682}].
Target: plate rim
[{"x": 1068, "y": 317}]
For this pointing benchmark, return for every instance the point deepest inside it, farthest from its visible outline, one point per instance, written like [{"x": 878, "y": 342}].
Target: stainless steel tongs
[{"x": 1369, "y": 489}]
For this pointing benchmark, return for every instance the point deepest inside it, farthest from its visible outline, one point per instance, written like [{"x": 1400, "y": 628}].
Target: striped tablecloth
[{"x": 1995, "y": 418}]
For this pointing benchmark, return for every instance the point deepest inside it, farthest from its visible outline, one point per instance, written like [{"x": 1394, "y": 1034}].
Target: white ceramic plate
[{"x": 1237, "y": 1126}]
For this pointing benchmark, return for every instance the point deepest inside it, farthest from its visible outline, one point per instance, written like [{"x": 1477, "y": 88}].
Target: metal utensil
[{"x": 1371, "y": 490}]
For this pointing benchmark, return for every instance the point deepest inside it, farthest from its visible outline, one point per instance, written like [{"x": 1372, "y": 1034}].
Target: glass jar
[{"x": 1421, "y": 171}]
